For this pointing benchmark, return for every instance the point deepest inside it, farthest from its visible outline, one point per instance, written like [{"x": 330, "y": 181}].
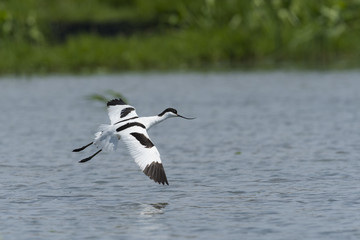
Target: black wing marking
[
  {"x": 143, "y": 139},
  {"x": 126, "y": 120},
  {"x": 126, "y": 111},
  {"x": 114, "y": 102},
  {"x": 128, "y": 125}
]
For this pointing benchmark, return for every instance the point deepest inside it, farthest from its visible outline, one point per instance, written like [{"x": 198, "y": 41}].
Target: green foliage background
[{"x": 184, "y": 34}]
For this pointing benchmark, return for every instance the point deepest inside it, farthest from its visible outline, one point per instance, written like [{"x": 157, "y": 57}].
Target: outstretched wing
[
  {"x": 144, "y": 152},
  {"x": 119, "y": 111}
]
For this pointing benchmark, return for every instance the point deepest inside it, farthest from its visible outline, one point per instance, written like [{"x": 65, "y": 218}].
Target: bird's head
[{"x": 171, "y": 112}]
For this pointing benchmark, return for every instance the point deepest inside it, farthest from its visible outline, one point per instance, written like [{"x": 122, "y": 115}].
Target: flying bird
[{"x": 126, "y": 125}]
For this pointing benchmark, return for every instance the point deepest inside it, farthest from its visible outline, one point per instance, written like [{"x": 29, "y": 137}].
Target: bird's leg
[
  {"x": 89, "y": 158},
  {"x": 82, "y": 148}
]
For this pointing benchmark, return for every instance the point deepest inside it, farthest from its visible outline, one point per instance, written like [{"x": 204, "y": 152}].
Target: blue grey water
[{"x": 271, "y": 155}]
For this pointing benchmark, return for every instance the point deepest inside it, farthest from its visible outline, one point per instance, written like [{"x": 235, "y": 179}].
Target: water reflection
[{"x": 153, "y": 208}]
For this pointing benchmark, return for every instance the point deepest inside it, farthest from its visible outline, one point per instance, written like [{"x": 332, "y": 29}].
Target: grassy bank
[{"x": 165, "y": 35}]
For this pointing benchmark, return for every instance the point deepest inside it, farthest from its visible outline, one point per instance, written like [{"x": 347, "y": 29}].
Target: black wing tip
[
  {"x": 114, "y": 102},
  {"x": 163, "y": 182},
  {"x": 156, "y": 172}
]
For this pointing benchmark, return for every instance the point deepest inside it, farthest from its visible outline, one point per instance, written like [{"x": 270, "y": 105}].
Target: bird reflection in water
[{"x": 153, "y": 208}]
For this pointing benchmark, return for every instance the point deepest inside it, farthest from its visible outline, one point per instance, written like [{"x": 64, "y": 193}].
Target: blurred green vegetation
[
  {"x": 67, "y": 36},
  {"x": 104, "y": 98}
]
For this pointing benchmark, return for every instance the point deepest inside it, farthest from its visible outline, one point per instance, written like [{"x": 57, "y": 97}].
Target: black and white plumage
[{"x": 126, "y": 125}]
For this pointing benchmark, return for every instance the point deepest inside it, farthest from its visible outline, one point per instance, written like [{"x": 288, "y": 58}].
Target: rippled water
[{"x": 271, "y": 155}]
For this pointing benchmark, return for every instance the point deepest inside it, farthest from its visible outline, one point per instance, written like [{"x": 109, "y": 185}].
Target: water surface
[{"x": 271, "y": 155}]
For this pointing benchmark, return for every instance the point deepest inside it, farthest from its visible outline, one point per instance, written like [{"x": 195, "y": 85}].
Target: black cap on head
[{"x": 168, "y": 110}]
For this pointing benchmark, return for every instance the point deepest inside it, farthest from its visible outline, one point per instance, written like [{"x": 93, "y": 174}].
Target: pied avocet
[{"x": 132, "y": 130}]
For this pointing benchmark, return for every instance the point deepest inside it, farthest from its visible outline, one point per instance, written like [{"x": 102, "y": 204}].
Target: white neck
[{"x": 153, "y": 120}]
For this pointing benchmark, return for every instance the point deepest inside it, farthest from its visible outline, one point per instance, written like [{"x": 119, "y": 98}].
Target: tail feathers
[
  {"x": 105, "y": 138},
  {"x": 105, "y": 128}
]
